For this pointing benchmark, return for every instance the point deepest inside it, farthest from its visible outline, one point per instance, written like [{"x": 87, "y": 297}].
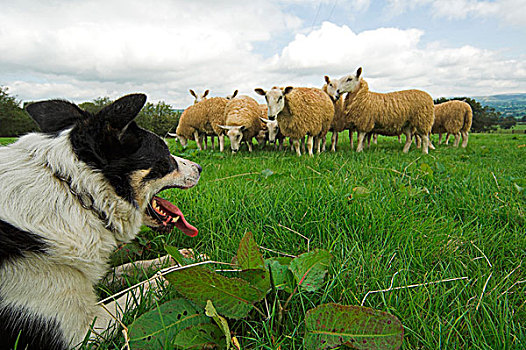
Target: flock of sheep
[{"x": 342, "y": 104}]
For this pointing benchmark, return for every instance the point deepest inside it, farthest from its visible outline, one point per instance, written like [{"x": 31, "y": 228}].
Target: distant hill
[{"x": 508, "y": 104}]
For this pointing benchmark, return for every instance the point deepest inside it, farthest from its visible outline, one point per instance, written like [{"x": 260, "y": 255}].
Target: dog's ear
[
  {"x": 54, "y": 115},
  {"x": 122, "y": 112}
]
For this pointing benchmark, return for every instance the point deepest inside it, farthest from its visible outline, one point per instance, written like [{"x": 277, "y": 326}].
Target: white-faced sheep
[
  {"x": 340, "y": 121},
  {"x": 299, "y": 112},
  {"x": 453, "y": 117},
  {"x": 396, "y": 112},
  {"x": 242, "y": 121},
  {"x": 202, "y": 118}
]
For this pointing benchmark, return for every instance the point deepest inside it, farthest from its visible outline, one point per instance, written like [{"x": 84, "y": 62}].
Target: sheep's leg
[
  {"x": 440, "y": 138},
  {"x": 361, "y": 136},
  {"x": 425, "y": 143},
  {"x": 323, "y": 143},
  {"x": 296, "y": 145},
  {"x": 447, "y": 138},
  {"x": 418, "y": 141},
  {"x": 408, "y": 140},
  {"x": 249, "y": 144},
  {"x": 281, "y": 141},
  {"x": 375, "y": 138},
  {"x": 334, "y": 141},
  {"x": 198, "y": 140},
  {"x": 457, "y": 139},
  {"x": 465, "y": 137},
  {"x": 430, "y": 142},
  {"x": 310, "y": 143},
  {"x": 302, "y": 140},
  {"x": 368, "y": 139},
  {"x": 317, "y": 144},
  {"x": 205, "y": 141},
  {"x": 399, "y": 138},
  {"x": 212, "y": 139},
  {"x": 351, "y": 138},
  {"x": 221, "y": 143}
]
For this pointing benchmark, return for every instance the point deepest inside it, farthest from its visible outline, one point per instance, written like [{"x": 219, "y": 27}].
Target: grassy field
[{"x": 390, "y": 219}]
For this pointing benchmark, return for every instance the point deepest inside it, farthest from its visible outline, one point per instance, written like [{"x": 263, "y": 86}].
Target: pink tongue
[{"x": 181, "y": 224}]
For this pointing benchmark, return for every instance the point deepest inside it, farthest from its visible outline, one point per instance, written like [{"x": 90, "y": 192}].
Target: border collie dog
[{"x": 69, "y": 196}]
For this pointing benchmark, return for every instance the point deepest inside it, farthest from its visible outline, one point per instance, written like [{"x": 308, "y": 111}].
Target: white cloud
[
  {"x": 87, "y": 49},
  {"x": 509, "y": 12},
  {"x": 394, "y": 59}
]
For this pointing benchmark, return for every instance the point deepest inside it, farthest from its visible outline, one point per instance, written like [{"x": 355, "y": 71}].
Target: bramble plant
[{"x": 198, "y": 319}]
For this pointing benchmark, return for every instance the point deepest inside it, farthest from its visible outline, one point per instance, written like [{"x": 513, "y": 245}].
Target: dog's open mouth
[{"x": 167, "y": 216}]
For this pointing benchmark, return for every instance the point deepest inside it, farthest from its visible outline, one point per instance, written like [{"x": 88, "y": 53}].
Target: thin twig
[
  {"x": 317, "y": 172},
  {"x": 412, "y": 286},
  {"x": 498, "y": 187},
  {"x": 481, "y": 252},
  {"x": 277, "y": 252},
  {"x": 483, "y": 290},
  {"x": 237, "y": 175},
  {"x": 299, "y": 234},
  {"x": 513, "y": 285},
  {"x": 505, "y": 278},
  {"x": 158, "y": 275}
]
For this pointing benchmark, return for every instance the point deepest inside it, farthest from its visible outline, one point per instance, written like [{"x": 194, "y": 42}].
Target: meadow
[{"x": 444, "y": 233}]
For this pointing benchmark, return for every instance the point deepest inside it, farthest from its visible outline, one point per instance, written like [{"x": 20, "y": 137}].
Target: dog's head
[{"x": 134, "y": 161}]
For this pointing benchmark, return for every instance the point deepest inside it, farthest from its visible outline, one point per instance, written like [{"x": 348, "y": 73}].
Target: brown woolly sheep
[
  {"x": 199, "y": 98},
  {"x": 299, "y": 112},
  {"x": 453, "y": 117},
  {"x": 202, "y": 118},
  {"x": 242, "y": 121},
  {"x": 395, "y": 112}
]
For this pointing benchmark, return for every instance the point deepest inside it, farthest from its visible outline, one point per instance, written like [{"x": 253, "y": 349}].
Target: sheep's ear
[
  {"x": 206, "y": 93},
  {"x": 234, "y": 94},
  {"x": 358, "y": 72},
  {"x": 192, "y": 93},
  {"x": 260, "y": 91},
  {"x": 264, "y": 120},
  {"x": 242, "y": 128},
  {"x": 327, "y": 80},
  {"x": 287, "y": 90},
  {"x": 225, "y": 127}
]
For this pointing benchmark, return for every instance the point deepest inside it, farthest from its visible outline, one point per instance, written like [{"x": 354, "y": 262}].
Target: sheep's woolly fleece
[
  {"x": 307, "y": 111},
  {"x": 244, "y": 111},
  {"x": 452, "y": 117},
  {"x": 204, "y": 117},
  {"x": 390, "y": 112}
]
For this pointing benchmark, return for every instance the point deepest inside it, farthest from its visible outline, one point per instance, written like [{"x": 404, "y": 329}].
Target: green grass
[{"x": 450, "y": 214}]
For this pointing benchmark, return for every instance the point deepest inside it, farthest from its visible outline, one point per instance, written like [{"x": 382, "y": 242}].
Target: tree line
[{"x": 161, "y": 118}]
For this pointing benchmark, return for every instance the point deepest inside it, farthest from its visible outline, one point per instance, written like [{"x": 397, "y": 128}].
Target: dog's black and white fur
[{"x": 68, "y": 197}]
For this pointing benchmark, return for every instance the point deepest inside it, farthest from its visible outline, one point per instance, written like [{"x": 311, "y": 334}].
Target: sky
[{"x": 80, "y": 50}]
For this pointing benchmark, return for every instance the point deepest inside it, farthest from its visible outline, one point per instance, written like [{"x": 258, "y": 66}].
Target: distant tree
[
  {"x": 508, "y": 122},
  {"x": 159, "y": 118},
  {"x": 523, "y": 119},
  {"x": 14, "y": 121},
  {"x": 485, "y": 118},
  {"x": 96, "y": 105}
]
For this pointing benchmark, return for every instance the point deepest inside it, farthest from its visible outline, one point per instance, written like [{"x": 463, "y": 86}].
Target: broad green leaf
[
  {"x": 426, "y": 169},
  {"x": 233, "y": 297},
  {"x": 282, "y": 277},
  {"x": 309, "y": 269},
  {"x": 248, "y": 255},
  {"x": 203, "y": 336},
  {"x": 266, "y": 173},
  {"x": 177, "y": 256},
  {"x": 156, "y": 328},
  {"x": 332, "y": 325},
  {"x": 359, "y": 192},
  {"x": 259, "y": 279},
  {"x": 210, "y": 311}
]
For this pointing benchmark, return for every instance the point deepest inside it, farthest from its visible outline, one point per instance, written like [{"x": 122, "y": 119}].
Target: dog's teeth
[{"x": 175, "y": 219}]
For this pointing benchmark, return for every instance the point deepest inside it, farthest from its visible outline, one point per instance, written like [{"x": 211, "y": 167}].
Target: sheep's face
[
  {"x": 275, "y": 99},
  {"x": 235, "y": 134},
  {"x": 261, "y": 136},
  {"x": 349, "y": 83},
  {"x": 182, "y": 140},
  {"x": 273, "y": 129},
  {"x": 332, "y": 88},
  {"x": 198, "y": 98}
]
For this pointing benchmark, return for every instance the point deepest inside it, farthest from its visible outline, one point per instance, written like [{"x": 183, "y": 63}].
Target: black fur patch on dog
[
  {"x": 14, "y": 242},
  {"x": 18, "y": 326}
]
